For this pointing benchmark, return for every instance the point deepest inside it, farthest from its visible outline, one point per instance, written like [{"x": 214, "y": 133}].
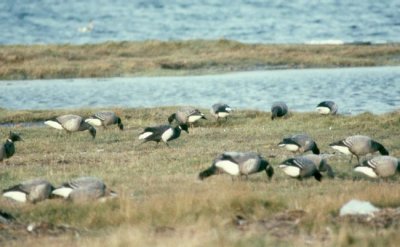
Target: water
[
  {"x": 253, "y": 21},
  {"x": 355, "y": 90}
]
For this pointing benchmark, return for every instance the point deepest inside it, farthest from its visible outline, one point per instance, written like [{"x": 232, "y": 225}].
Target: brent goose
[
  {"x": 300, "y": 167},
  {"x": 321, "y": 163},
  {"x": 83, "y": 189},
  {"x": 238, "y": 164},
  {"x": 379, "y": 166},
  {"x": 71, "y": 123},
  {"x": 278, "y": 109},
  {"x": 299, "y": 143},
  {"x": 8, "y": 148},
  {"x": 163, "y": 133},
  {"x": 32, "y": 191},
  {"x": 105, "y": 118},
  {"x": 327, "y": 107},
  {"x": 220, "y": 110},
  {"x": 358, "y": 145},
  {"x": 186, "y": 115}
]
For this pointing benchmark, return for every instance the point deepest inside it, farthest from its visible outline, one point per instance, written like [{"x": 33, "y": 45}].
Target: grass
[
  {"x": 150, "y": 58},
  {"x": 162, "y": 203}
]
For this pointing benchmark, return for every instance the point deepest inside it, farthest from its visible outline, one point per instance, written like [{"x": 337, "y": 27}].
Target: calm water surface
[
  {"x": 255, "y": 21},
  {"x": 355, "y": 90}
]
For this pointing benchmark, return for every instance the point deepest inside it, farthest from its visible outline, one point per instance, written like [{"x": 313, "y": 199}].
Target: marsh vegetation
[
  {"x": 161, "y": 202},
  {"x": 151, "y": 58}
]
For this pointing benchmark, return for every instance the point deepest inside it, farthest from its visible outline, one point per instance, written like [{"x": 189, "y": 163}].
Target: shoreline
[
  {"x": 177, "y": 58},
  {"x": 27, "y": 118}
]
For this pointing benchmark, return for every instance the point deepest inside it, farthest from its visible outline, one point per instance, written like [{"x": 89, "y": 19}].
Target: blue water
[
  {"x": 254, "y": 21},
  {"x": 355, "y": 90}
]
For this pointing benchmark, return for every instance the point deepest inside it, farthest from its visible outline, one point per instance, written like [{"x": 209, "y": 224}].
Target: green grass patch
[{"x": 161, "y": 201}]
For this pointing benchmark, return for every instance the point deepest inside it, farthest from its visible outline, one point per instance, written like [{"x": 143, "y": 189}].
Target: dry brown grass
[
  {"x": 161, "y": 202},
  {"x": 112, "y": 59}
]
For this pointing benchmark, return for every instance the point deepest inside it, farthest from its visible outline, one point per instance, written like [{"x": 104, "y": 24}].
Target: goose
[
  {"x": 71, "y": 123},
  {"x": 321, "y": 163},
  {"x": 379, "y": 166},
  {"x": 278, "y": 109},
  {"x": 220, "y": 110},
  {"x": 6, "y": 218},
  {"x": 105, "y": 118},
  {"x": 186, "y": 115},
  {"x": 238, "y": 164},
  {"x": 300, "y": 167},
  {"x": 83, "y": 189},
  {"x": 358, "y": 145},
  {"x": 8, "y": 148},
  {"x": 327, "y": 107},
  {"x": 299, "y": 143},
  {"x": 163, "y": 133},
  {"x": 33, "y": 191}
]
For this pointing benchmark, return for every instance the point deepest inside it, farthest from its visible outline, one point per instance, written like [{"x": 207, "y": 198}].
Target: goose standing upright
[
  {"x": 83, "y": 189},
  {"x": 379, "y": 166},
  {"x": 105, "y": 118},
  {"x": 238, "y": 164},
  {"x": 327, "y": 107},
  {"x": 220, "y": 110},
  {"x": 32, "y": 190},
  {"x": 299, "y": 143},
  {"x": 278, "y": 109},
  {"x": 71, "y": 123},
  {"x": 8, "y": 148},
  {"x": 163, "y": 133},
  {"x": 186, "y": 115},
  {"x": 358, "y": 145},
  {"x": 300, "y": 167}
]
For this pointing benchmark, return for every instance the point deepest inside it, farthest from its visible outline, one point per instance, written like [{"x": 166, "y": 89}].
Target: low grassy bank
[
  {"x": 180, "y": 58},
  {"x": 161, "y": 202}
]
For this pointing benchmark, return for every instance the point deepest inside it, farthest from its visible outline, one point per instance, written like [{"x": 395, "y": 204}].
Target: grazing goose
[
  {"x": 8, "y": 148},
  {"x": 33, "y": 191},
  {"x": 300, "y": 167},
  {"x": 278, "y": 109},
  {"x": 380, "y": 166},
  {"x": 299, "y": 143},
  {"x": 83, "y": 189},
  {"x": 163, "y": 133},
  {"x": 105, "y": 118},
  {"x": 358, "y": 145},
  {"x": 186, "y": 115},
  {"x": 321, "y": 163},
  {"x": 5, "y": 218},
  {"x": 71, "y": 123},
  {"x": 238, "y": 164},
  {"x": 327, "y": 107},
  {"x": 220, "y": 110}
]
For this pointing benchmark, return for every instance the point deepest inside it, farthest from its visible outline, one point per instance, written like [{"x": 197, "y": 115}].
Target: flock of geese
[{"x": 233, "y": 163}]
